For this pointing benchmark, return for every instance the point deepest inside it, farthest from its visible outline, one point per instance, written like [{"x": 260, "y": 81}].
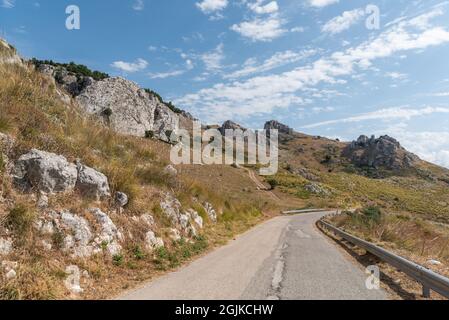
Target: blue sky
[{"x": 313, "y": 64}]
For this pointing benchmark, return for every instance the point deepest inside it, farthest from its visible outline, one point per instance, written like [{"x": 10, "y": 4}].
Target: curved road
[{"x": 283, "y": 258}]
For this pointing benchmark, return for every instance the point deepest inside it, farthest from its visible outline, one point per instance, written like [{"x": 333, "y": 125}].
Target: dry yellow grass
[{"x": 32, "y": 112}]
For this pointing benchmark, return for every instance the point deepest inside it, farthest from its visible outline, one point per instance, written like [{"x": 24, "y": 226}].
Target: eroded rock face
[
  {"x": 282, "y": 128},
  {"x": 92, "y": 183},
  {"x": 44, "y": 171},
  {"x": 230, "y": 125},
  {"x": 128, "y": 109},
  {"x": 384, "y": 152},
  {"x": 70, "y": 82}
]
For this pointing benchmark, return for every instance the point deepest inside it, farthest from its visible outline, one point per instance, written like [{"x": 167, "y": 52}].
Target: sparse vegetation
[
  {"x": 77, "y": 69},
  {"x": 20, "y": 219},
  {"x": 32, "y": 113},
  {"x": 169, "y": 105}
]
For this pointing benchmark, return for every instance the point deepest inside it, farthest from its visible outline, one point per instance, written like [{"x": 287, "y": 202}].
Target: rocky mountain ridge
[{"x": 119, "y": 103}]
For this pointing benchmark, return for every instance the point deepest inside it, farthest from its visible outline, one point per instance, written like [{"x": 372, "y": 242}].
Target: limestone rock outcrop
[{"x": 383, "y": 152}]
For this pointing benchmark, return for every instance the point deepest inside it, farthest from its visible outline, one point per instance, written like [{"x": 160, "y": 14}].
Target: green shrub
[
  {"x": 118, "y": 260},
  {"x": 138, "y": 253},
  {"x": 372, "y": 213},
  {"x": 77, "y": 69}
]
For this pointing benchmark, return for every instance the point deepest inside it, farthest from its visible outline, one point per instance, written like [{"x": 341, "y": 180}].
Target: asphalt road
[{"x": 284, "y": 258}]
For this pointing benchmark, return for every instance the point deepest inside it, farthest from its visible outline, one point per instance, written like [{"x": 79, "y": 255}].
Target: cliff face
[
  {"x": 384, "y": 152},
  {"x": 128, "y": 109}
]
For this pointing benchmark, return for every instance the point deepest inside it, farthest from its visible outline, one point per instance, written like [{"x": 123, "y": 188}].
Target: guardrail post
[{"x": 425, "y": 291}]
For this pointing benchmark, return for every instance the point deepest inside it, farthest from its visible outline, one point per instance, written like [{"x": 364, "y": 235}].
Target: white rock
[
  {"x": 434, "y": 262},
  {"x": 191, "y": 231},
  {"x": 197, "y": 218},
  {"x": 152, "y": 242},
  {"x": 175, "y": 235},
  {"x": 5, "y": 247},
  {"x": 47, "y": 228},
  {"x": 170, "y": 170},
  {"x": 210, "y": 211},
  {"x": 121, "y": 199},
  {"x": 132, "y": 110},
  {"x": 11, "y": 274},
  {"x": 44, "y": 171},
  {"x": 147, "y": 219},
  {"x": 171, "y": 207},
  {"x": 46, "y": 245},
  {"x": 184, "y": 221},
  {"x": 92, "y": 183},
  {"x": 109, "y": 232},
  {"x": 42, "y": 202},
  {"x": 9, "y": 265},
  {"x": 82, "y": 235}
]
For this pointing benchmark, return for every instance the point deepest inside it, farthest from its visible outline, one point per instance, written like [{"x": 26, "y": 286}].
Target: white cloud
[
  {"x": 277, "y": 60},
  {"x": 213, "y": 60},
  {"x": 8, "y": 4},
  {"x": 263, "y": 94},
  {"x": 260, "y": 8},
  {"x": 322, "y": 3},
  {"x": 211, "y": 6},
  {"x": 261, "y": 29},
  {"x": 441, "y": 94},
  {"x": 138, "y": 65},
  {"x": 343, "y": 22},
  {"x": 164, "y": 75},
  {"x": 384, "y": 114},
  {"x": 139, "y": 5},
  {"x": 396, "y": 75}
]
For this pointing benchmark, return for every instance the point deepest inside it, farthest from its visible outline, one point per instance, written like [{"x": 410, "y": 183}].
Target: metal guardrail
[
  {"x": 427, "y": 278},
  {"x": 304, "y": 211}
]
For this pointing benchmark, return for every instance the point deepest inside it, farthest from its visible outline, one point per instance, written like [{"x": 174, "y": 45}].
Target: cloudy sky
[{"x": 324, "y": 67}]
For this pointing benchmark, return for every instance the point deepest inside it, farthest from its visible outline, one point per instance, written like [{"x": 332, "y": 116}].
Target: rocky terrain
[
  {"x": 88, "y": 201},
  {"x": 119, "y": 104},
  {"x": 384, "y": 152},
  {"x": 89, "y": 204}
]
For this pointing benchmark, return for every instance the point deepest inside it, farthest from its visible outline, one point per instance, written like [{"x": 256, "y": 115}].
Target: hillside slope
[
  {"x": 366, "y": 171},
  {"x": 86, "y": 211}
]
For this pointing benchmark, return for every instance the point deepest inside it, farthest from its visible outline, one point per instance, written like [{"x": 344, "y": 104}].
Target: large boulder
[
  {"x": 128, "y": 109},
  {"x": 92, "y": 183},
  {"x": 44, "y": 171},
  {"x": 152, "y": 242},
  {"x": 383, "y": 152}
]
